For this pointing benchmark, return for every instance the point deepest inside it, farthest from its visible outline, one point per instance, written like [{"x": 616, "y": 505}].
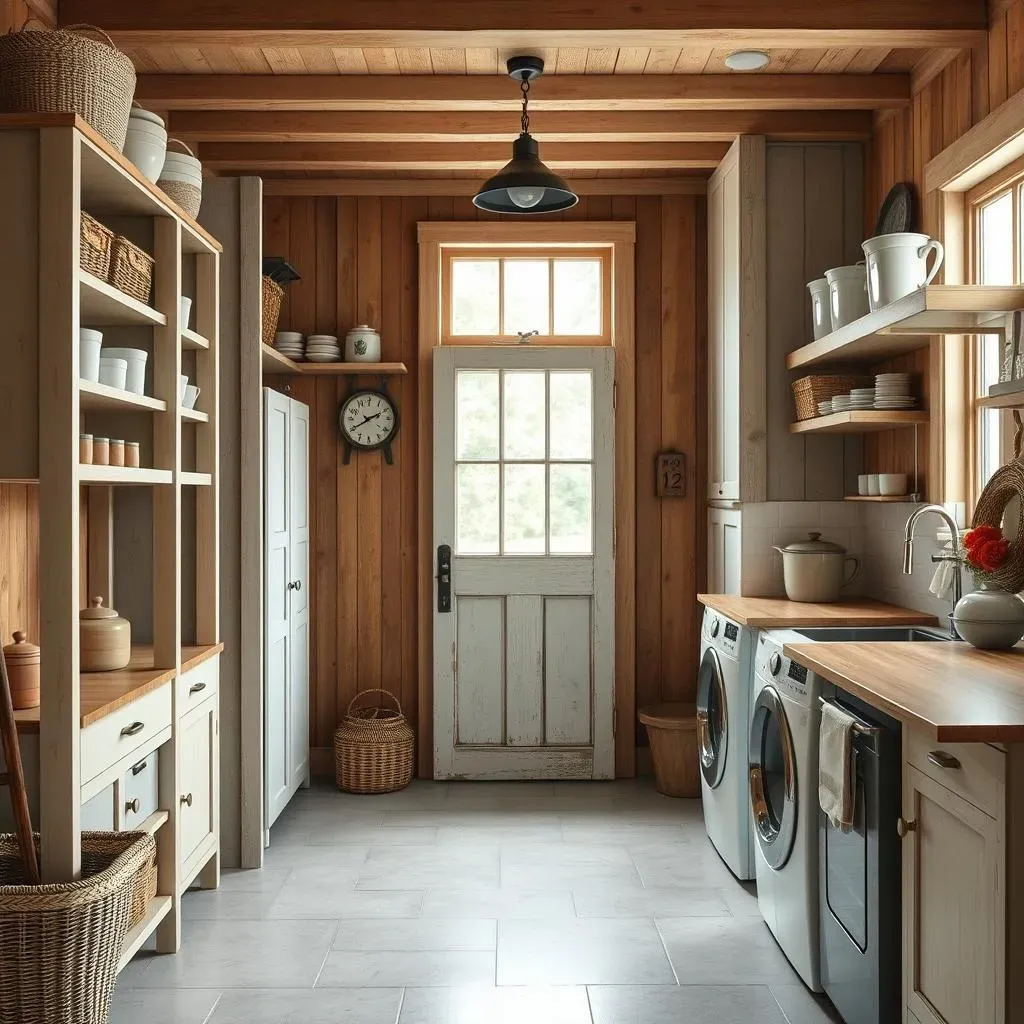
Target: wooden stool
[{"x": 672, "y": 730}]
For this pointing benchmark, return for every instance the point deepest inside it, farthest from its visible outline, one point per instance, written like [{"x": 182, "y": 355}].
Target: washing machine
[
  {"x": 723, "y": 723},
  {"x": 783, "y": 796}
]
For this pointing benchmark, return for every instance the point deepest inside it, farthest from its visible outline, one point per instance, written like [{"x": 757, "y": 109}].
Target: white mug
[{"x": 898, "y": 265}]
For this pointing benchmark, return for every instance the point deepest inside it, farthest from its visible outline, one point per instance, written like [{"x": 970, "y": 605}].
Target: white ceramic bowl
[
  {"x": 135, "y": 359},
  {"x": 862, "y": 484},
  {"x": 191, "y": 395},
  {"x": 146, "y": 150},
  {"x": 892, "y": 484},
  {"x": 89, "y": 344},
  {"x": 873, "y": 485},
  {"x": 288, "y": 336},
  {"x": 185, "y": 311},
  {"x": 147, "y": 116},
  {"x": 113, "y": 372}
]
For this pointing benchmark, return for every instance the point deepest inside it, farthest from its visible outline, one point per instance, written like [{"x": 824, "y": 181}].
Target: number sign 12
[{"x": 670, "y": 474}]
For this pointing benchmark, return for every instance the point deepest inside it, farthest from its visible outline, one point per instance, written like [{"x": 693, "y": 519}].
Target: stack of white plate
[
  {"x": 892, "y": 391},
  {"x": 289, "y": 343},
  {"x": 862, "y": 398},
  {"x": 323, "y": 348},
  {"x": 841, "y": 403},
  {"x": 825, "y": 408}
]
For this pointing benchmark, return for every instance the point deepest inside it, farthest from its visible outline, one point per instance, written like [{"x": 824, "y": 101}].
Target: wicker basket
[
  {"x": 187, "y": 196},
  {"x": 62, "y": 70},
  {"x": 60, "y": 944},
  {"x": 809, "y": 391},
  {"x": 373, "y": 747},
  {"x": 143, "y": 890},
  {"x": 131, "y": 269},
  {"x": 1006, "y": 484},
  {"x": 273, "y": 296},
  {"x": 95, "y": 243}
]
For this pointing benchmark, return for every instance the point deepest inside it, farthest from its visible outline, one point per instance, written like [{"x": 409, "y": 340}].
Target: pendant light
[{"x": 524, "y": 184}]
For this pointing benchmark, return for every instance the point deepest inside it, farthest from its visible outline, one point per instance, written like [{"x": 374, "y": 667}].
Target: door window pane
[
  {"x": 525, "y": 513},
  {"x": 526, "y": 296},
  {"x": 524, "y": 414},
  {"x": 474, "y": 297},
  {"x": 572, "y": 502},
  {"x": 476, "y": 513},
  {"x": 577, "y": 297},
  {"x": 476, "y": 413},
  {"x": 571, "y": 415}
]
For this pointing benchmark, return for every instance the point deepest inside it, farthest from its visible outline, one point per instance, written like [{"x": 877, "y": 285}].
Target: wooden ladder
[{"x": 14, "y": 777}]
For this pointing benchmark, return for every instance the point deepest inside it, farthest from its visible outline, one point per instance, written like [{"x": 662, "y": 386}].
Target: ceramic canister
[
  {"x": 362, "y": 345},
  {"x": 821, "y": 315},
  {"x": 848, "y": 294},
  {"x": 22, "y": 660},
  {"x": 898, "y": 265},
  {"x": 105, "y": 639}
]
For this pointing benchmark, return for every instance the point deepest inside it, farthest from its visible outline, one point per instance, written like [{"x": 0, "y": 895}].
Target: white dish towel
[{"x": 836, "y": 785}]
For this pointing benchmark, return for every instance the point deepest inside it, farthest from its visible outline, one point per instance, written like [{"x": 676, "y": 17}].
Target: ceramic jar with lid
[
  {"x": 814, "y": 569},
  {"x": 105, "y": 639},
  {"x": 362, "y": 345},
  {"x": 22, "y": 660},
  {"x": 990, "y": 618}
]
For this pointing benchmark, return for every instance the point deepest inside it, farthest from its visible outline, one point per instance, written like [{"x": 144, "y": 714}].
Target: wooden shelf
[
  {"x": 194, "y": 416},
  {"x": 153, "y": 823},
  {"x": 100, "y": 396},
  {"x": 879, "y": 497},
  {"x": 274, "y": 362},
  {"x": 158, "y": 909},
  {"x": 909, "y": 322},
  {"x": 103, "y": 305},
  {"x": 196, "y": 479},
  {"x": 123, "y": 476},
  {"x": 1008, "y": 400},
  {"x": 859, "y": 421},
  {"x": 189, "y": 339}
]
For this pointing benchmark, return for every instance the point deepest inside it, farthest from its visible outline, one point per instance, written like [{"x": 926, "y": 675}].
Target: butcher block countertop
[
  {"x": 952, "y": 691},
  {"x": 778, "y": 613}
]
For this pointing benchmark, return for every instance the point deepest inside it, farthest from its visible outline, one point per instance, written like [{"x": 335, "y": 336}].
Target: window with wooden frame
[
  {"x": 994, "y": 257},
  {"x": 501, "y": 295}
]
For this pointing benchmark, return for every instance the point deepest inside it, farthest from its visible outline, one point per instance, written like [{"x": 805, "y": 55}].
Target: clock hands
[{"x": 368, "y": 418}]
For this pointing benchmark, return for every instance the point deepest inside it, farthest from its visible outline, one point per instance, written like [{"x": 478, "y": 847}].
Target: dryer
[{"x": 723, "y": 721}]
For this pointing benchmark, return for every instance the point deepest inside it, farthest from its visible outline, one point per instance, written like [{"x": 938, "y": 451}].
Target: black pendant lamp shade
[{"x": 524, "y": 184}]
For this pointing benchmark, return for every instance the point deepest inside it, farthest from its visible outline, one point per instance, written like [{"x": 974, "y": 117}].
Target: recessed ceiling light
[{"x": 747, "y": 60}]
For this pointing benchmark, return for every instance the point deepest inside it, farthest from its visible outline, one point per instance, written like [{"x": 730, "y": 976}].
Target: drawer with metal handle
[
  {"x": 139, "y": 790},
  {"x": 197, "y": 685},
  {"x": 974, "y": 771},
  {"x": 105, "y": 742}
]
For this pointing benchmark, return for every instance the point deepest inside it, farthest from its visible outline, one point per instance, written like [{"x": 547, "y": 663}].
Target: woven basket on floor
[
  {"x": 60, "y": 944},
  {"x": 143, "y": 890},
  {"x": 809, "y": 391},
  {"x": 131, "y": 269},
  {"x": 273, "y": 296},
  {"x": 62, "y": 70},
  {"x": 373, "y": 747},
  {"x": 95, "y": 243}
]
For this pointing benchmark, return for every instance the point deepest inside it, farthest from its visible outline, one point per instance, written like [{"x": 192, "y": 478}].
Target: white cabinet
[
  {"x": 737, "y": 416},
  {"x": 197, "y": 803},
  {"x": 286, "y": 599},
  {"x": 724, "y": 550}
]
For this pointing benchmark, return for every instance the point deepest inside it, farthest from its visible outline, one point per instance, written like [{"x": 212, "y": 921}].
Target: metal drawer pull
[
  {"x": 187, "y": 799},
  {"x": 941, "y": 759},
  {"x": 132, "y": 806},
  {"x": 133, "y": 729},
  {"x": 140, "y": 767},
  {"x": 197, "y": 688},
  {"x": 903, "y": 827}
]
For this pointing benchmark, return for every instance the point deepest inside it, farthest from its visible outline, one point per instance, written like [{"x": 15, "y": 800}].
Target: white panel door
[
  {"x": 524, "y": 467},
  {"x": 298, "y": 596}
]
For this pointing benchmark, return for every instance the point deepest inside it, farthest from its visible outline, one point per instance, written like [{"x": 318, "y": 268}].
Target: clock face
[{"x": 368, "y": 419}]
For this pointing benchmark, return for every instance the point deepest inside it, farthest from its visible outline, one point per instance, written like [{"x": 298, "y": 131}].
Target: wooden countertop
[
  {"x": 778, "y": 613},
  {"x": 102, "y": 693},
  {"x": 952, "y": 691}
]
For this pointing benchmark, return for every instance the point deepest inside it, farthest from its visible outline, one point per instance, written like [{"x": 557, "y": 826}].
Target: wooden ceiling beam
[
  {"x": 524, "y": 23},
  {"x": 492, "y": 92},
  {"x": 674, "y": 186},
  {"x": 326, "y": 156},
  {"x": 500, "y": 126}
]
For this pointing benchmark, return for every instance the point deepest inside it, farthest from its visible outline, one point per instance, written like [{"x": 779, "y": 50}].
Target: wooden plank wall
[
  {"x": 973, "y": 84},
  {"x": 358, "y": 260}
]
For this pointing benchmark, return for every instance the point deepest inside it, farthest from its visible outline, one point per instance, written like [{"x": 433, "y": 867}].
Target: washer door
[
  {"x": 773, "y": 781},
  {"x": 712, "y": 718}
]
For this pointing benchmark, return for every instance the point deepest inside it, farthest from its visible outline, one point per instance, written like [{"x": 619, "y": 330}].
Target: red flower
[
  {"x": 989, "y": 554},
  {"x": 973, "y": 539}
]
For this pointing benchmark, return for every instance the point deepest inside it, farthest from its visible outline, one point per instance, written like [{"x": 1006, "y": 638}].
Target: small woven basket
[
  {"x": 131, "y": 269},
  {"x": 60, "y": 944},
  {"x": 273, "y": 296},
  {"x": 373, "y": 747},
  {"x": 63, "y": 71},
  {"x": 809, "y": 391},
  {"x": 95, "y": 243},
  {"x": 1006, "y": 484}
]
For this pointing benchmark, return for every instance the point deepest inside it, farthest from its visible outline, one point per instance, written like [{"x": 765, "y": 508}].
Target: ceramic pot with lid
[
  {"x": 989, "y": 618},
  {"x": 105, "y": 639},
  {"x": 22, "y": 660},
  {"x": 814, "y": 569},
  {"x": 362, "y": 345}
]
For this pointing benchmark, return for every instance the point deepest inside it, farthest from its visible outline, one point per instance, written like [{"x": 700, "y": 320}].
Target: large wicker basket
[
  {"x": 131, "y": 269},
  {"x": 373, "y": 747},
  {"x": 62, "y": 70},
  {"x": 273, "y": 296},
  {"x": 809, "y": 391},
  {"x": 60, "y": 944}
]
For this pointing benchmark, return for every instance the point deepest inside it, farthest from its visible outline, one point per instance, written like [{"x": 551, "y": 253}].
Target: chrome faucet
[{"x": 954, "y": 556}]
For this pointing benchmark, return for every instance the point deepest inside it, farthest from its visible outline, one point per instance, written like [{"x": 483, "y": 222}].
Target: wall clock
[{"x": 368, "y": 420}]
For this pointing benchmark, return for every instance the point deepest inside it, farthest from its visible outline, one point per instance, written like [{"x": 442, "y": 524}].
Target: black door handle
[{"x": 444, "y": 578}]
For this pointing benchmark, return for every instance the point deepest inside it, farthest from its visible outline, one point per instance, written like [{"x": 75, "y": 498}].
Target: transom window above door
[
  {"x": 524, "y": 472},
  {"x": 556, "y": 296}
]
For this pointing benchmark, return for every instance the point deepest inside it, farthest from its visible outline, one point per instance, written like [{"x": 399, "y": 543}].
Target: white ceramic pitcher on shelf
[{"x": 898, "y": 265}]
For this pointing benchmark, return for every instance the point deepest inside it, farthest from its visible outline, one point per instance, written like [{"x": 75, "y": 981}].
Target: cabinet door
[
  {"x": 953, "y": 921},
  {"x": 196, "y": 804},
  {"x": 298, "y": 596},
  {"x": 724, "y": 551}
]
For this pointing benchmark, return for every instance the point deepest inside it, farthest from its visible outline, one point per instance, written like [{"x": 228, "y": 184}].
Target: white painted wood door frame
[{"x": 525, "y": 750}]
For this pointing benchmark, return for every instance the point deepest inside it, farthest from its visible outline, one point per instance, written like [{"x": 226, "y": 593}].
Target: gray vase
[{"x": 990, "y": 619}]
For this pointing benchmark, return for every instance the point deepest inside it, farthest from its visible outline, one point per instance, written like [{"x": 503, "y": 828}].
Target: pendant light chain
[{"x": 525, "y": 86}]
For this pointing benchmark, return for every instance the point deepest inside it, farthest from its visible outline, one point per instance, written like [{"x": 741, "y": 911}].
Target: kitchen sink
[{"x": 874, "y": 634}]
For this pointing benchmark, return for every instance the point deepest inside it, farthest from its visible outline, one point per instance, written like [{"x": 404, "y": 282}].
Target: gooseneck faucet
[{"x": 954, "y": 556}]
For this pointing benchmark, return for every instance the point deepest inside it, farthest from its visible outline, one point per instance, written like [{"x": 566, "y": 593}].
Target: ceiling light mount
[
  {"x": 524, "y": 69},
  {"x": 747, "y": 60}
]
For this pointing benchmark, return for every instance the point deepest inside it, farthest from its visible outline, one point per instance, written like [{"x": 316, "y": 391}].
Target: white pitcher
[
  {"x": 820, "y": 315},
  {"x": 898, "y": 265},
  {"x": 848, "y": 294}
]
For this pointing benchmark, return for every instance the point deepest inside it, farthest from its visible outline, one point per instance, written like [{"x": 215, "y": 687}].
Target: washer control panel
[
  {"x": 772, "y": 665},
  {"x": 725, "y": 635}
]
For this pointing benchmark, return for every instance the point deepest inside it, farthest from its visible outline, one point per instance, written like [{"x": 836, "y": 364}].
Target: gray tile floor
[{"x": 476, "y": 903}]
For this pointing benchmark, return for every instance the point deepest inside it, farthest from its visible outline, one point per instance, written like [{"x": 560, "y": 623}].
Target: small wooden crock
[
  {"x": 105, "y": 639},
  {"x": 22, "y": 660}
]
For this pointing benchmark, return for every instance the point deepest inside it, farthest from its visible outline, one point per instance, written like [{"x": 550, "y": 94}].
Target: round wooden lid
[
  {"x": 670, "y": 715},
  {"x": 21, "y": 648},
  {"x": 97, "y": 611}
]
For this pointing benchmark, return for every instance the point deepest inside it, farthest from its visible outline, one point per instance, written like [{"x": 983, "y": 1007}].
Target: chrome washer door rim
[
  {"x": 711, "y": 720},
  {"x": 776, "y": 835}
]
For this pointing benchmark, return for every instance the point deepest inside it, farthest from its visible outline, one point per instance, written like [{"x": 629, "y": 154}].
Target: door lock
[{"x": 444, "y": 578}]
